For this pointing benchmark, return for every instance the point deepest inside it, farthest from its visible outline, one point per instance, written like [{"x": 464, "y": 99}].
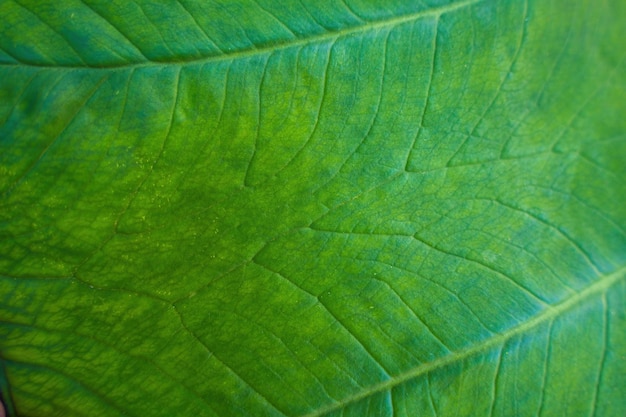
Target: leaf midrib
[
  {"x": 249, "y": 52},
  {"x": 551, "y": 312}
]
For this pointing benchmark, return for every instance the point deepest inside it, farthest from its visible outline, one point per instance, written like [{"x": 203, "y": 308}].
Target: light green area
[{"x": 313, "y": 208}]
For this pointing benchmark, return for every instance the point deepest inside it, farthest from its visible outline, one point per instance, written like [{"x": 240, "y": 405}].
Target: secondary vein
[
  {"x": 244, "y": 53},
  {"x": 550, "y": 313}
]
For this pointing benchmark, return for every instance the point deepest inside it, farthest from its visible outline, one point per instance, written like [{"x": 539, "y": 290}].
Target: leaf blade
[{"x": 279, "y": 239}]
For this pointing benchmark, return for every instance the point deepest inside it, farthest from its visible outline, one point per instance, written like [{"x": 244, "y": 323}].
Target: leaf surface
[{"x": 338, "y": 208}]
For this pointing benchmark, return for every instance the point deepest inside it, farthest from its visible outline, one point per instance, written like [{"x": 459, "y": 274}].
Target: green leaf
[{"x": 305, "y": 208}]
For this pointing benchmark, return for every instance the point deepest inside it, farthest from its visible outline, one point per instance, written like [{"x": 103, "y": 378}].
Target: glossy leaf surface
[{"x": 304, "y": 208}]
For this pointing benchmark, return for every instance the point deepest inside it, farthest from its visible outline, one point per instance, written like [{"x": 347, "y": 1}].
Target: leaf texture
[{"x": 304, "y": 208}]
